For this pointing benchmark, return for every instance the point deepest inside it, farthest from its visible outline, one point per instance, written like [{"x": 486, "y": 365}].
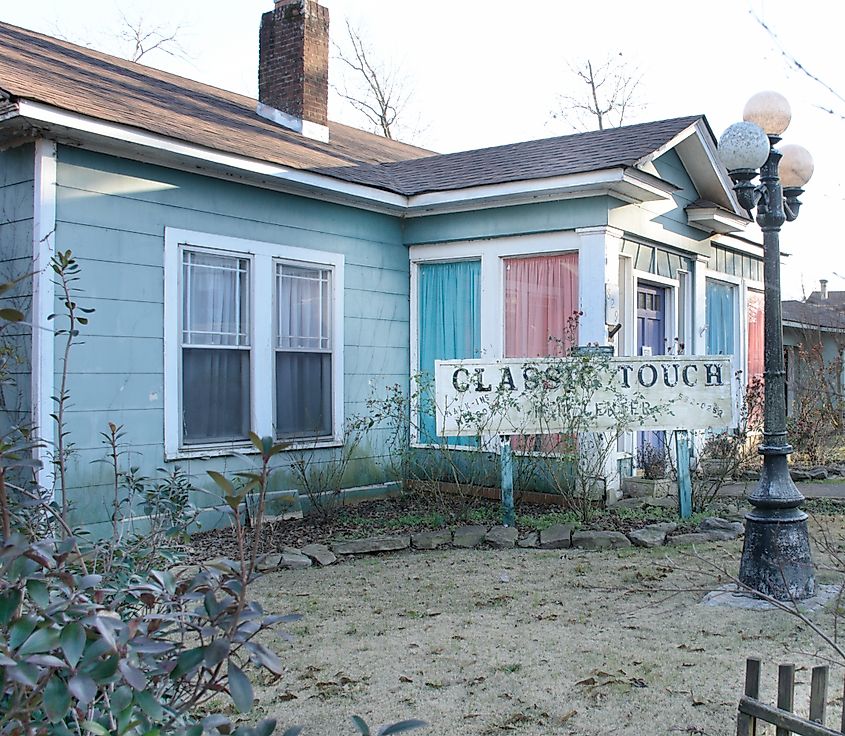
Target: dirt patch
[{"x": 524, "y": 641}]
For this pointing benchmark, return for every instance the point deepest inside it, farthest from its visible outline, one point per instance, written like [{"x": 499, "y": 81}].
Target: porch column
[
  {"x": 599, "y": 299},
  {"x": 598, "y": 282},
  {"x": 699, "y": 306}
]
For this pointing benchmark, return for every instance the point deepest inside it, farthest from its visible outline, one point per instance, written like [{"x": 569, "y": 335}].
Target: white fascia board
[
  {"x": 707, "y": 146},
  {"x": 619, "y": 182},
  {"x": 668, "y": 146},
  {"x": 627, "y": 184},
  {"x": 808, "y": 326},
  {"x": 123, "y": 136}
]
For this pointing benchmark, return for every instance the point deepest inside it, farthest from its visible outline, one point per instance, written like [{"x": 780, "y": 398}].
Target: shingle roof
[
  {"x": 81, "y": 80},
  {"x": 828, "y": 314},
  {"x": 571, "y": 154},
  {"x": 84, "y": 81}
]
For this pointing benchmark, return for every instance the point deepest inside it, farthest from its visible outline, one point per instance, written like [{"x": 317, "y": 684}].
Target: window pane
[
  {"x": 303, "y": 394},
  {"x": 449, "y": 323},
  {"x": 215, "y": 395},
  {"x": 541, "y": 300},
  {"x": 303, "y": 299},
  {"x": 755, "y": 335},
  {"x": 214, "y": 299},
  {"x": 720, "y": 318}
]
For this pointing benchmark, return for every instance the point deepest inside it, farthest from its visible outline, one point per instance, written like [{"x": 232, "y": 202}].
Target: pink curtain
[
  {"x": 541, "y": 302},
  {"x": 755, "y": 335}
]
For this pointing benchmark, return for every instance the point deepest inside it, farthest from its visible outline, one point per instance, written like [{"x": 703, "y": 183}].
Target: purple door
[{"x": 651, "y": 340}]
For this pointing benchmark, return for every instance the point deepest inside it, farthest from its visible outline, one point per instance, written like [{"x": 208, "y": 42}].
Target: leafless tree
[
  {"x": 142, "y": 38},
  {"x": 130, "y": 37},
  {"x": 836, "y": 105},
  {"x": 608, "y": 92},
  {"x": 377, "y": 90}
]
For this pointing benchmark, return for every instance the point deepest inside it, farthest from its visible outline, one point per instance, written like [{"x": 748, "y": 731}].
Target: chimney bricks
[
  {"x": 823, "y": 289},
  {"x": 293, "y": 60}
]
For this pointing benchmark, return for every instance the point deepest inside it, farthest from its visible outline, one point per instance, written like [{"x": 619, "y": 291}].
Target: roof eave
[
  {"x": 623, "y": 183},
  {"x": 137, "y": 144}
]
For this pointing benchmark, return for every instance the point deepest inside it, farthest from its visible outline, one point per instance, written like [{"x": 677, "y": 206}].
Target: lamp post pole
[
  {"x": 776, "y": 552},
  {"x": 776, "y": 558}
]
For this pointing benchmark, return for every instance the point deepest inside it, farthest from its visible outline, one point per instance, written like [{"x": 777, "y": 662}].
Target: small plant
[
  {"x": 653, "y": 460},
  {"x": 66, "y": 269},
  {"x": 321, "y": 473}
]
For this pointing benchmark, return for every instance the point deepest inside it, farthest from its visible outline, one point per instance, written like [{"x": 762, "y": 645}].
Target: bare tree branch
[
  {"x": 611, "y": 93},
  {"x": 144, "y": 38},
  {"x": 793, "y": 62},
  {"x": 376, "y": 90}
]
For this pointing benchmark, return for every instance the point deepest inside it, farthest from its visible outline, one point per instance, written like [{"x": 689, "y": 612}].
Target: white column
[
  {"x": 699, "y": 306},
  {"x": 43, "y": 304},
  {"x": 598, "y": 282},
  {"x": 599, "y": 297}
]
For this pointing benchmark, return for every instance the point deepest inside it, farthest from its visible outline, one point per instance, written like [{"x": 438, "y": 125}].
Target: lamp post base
[{"x": 776, "y": 558}]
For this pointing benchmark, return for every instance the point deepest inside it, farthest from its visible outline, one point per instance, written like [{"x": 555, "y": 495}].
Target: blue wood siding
[
  {"x": 516, "y": 220},
  {"x": 16, "y": 214},
  {"x": 670, "y": 168},
  {"x": 113, "y": 212}
]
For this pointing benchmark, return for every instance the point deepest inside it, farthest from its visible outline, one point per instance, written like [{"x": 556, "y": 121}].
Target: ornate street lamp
[{"x": 776, "y": 557}]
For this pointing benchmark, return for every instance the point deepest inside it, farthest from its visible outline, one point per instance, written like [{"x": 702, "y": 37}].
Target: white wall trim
[
  {"x": 43, "y": 304},
  {"x": 263, "y": 256}
]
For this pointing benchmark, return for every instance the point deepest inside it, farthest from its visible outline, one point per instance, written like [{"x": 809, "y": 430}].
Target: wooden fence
[{"x": 752, "y": 710}]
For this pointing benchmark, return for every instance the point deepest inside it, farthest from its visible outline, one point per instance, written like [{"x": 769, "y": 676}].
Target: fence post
[
  {"x": 684, "y": 479},
  {"x": 818, "y": 694},
  {"x": 506, "y": 469},
  {"x": 786, "y": 693},
  {"x": 746, "y": 725}
]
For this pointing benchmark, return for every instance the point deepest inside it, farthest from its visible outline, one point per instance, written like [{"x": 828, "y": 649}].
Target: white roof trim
[
  {"x": 626, "y": 184},
  {"x": 718, "y": 174},
  {"x": 715, "y": 219}
]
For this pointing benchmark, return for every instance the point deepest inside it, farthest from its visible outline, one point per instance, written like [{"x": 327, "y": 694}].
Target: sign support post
[
  {"x": 506, "y": 462},
  {"x": 684, "y": 478}
]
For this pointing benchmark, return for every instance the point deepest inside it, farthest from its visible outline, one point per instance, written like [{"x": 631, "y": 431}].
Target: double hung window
[
  {"x": 303, "y": 351},
  {"x": 252, "y": 336},
  {"x": 215, "y": 348}
]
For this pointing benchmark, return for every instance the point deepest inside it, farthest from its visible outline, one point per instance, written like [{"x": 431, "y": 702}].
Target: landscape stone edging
[{"x": 559, "y": 536}]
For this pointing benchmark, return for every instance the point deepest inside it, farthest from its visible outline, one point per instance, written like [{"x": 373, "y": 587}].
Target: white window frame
[
  {"x": 492, "y": 254},
  {"x": 263, "y": 258}
]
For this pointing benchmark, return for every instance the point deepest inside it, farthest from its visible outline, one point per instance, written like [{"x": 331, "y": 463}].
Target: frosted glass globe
[
  {"x": 796, "y": 166},
  {"x": 743, "y": 146},
  {"x": 770, "y": 110}
]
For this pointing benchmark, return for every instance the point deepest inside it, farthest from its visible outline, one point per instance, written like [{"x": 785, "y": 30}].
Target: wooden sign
[{"x": 585, "y": 393}]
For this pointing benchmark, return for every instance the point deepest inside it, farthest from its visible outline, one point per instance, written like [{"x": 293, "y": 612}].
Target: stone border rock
[{"x": 558, "y": 536}]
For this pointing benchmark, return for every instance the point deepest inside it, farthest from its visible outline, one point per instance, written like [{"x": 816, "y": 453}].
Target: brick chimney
[
  {"x": 293, "y": 67},
  {"x": 823, "y": 289}
]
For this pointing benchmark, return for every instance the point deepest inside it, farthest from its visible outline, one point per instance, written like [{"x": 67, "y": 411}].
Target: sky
[{"x": 489, "y": 72}]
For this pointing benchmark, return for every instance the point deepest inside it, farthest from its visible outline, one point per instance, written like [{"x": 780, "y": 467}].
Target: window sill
[{"x": 243, "y": 448}]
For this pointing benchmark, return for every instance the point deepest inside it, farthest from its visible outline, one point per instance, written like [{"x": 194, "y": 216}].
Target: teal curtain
[
  {"x": 449, "y": 324},
  {"x": 721, "y": 329}
]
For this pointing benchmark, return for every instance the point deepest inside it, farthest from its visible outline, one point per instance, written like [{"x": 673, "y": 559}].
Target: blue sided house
[{"x": 254, "y": 266}]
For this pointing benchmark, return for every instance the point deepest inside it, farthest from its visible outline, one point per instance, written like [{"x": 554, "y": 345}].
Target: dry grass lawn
[{"x": 525, "y": 641}]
